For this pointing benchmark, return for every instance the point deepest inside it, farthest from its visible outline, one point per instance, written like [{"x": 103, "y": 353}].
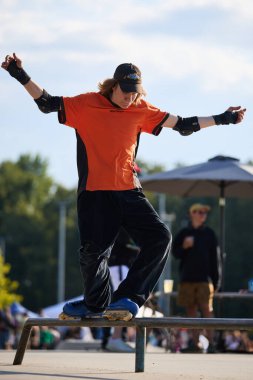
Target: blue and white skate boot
[
  {"x": 78, "y": 310},
  {"x": 122, "y": 310}
]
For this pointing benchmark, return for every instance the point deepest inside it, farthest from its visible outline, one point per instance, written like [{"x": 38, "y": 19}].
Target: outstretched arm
[
  {"x": 13, "y": 65},
  {"x": 186, "y": 126},
  {"x": 44, "y": 101}
]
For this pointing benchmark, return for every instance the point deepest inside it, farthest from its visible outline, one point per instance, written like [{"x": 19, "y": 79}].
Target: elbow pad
[
  {"x": 186, "y": 126},
  {"x": 48, "y": 103}
]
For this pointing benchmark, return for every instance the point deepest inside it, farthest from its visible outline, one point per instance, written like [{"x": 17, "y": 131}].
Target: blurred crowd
[
  {"x": 226, "y": 341},
  {"x": 11, "y": 325}
]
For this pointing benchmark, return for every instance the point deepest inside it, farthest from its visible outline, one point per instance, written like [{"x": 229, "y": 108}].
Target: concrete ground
[{"x": 83, "y": 365}]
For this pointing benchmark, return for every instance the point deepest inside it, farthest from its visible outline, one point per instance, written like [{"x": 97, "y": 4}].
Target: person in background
[
  {"x": 196, "y": 248},
  {"x": 7, "y": 329}
]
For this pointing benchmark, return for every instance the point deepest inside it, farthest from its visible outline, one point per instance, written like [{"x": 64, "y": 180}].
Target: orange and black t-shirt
[{"x": 107, "y": 138}]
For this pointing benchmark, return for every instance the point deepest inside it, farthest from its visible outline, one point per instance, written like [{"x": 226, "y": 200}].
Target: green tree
[
  {"x": 29, "y": 223},
  {"x": 148, "y": 167},
  {"x": 7, "y": 287}
]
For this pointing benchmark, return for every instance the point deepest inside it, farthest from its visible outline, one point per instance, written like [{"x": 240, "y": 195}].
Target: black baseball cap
[{"x": 129, "y": 78}]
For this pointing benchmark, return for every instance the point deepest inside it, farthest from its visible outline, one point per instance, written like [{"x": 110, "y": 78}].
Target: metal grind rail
[{"x": 139, "y": 323}]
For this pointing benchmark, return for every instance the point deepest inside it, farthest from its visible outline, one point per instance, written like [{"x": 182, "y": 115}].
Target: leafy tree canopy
[{"x": 7, "y": 287}]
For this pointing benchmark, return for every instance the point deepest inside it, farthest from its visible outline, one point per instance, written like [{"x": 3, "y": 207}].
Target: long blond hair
[{"x": 105, "y": 88}]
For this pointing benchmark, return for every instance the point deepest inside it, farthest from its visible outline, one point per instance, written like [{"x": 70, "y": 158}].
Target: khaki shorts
[{"x": 195, "y": 293}]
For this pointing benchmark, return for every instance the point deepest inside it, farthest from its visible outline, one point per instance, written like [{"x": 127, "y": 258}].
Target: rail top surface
[{"x": 168, "y": 322}]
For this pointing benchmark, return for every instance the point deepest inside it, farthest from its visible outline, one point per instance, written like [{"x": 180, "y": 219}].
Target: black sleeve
[
  {"x": 156, "y": 131},
  {"x": 61, "y": 113}
]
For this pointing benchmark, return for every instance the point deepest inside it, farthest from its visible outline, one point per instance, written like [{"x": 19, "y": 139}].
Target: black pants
[{"x": 100, "y": 215}]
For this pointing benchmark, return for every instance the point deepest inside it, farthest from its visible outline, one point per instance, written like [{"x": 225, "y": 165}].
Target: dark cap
[{"x": 129, "y": 77}]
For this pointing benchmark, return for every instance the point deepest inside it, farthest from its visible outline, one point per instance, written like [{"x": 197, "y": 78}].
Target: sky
[{"x": 196, "y": 59}]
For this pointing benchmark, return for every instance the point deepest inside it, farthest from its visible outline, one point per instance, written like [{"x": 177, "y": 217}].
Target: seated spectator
[
  {"x": 49, "y": 337},
  {"x": 237, "y": 341},
  {"x": 7, "y": 329}
]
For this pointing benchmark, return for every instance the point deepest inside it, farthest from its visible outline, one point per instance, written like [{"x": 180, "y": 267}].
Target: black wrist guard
[
  {"x": 186, "y": 126},
  {"x": 18, "y": 73},
  {"x": 227, "y": 117},
  {"x": 48, "y": 103}
]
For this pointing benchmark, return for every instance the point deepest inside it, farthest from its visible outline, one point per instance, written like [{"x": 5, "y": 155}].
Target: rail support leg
[
  {"x": 22, "y": 344},
  {"x": 140, "y": 348}
]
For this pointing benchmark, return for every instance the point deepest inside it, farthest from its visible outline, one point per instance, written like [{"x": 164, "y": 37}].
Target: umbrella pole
[{"x": 222, "y": 204}]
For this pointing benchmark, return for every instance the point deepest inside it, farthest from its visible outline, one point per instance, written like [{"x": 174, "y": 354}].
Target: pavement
[{"x": 159, "y": 365}]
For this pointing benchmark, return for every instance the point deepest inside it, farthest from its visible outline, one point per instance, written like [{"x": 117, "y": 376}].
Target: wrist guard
[
  {"x": 227, "y": 117},
  {"x": 48, "y": 103},
  {"x": 186, "y": 126},
  {"x": 18, "y": 73}
]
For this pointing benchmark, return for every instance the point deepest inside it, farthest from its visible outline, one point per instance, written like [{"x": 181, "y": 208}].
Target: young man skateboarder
[{"x": 108, "y": 124}]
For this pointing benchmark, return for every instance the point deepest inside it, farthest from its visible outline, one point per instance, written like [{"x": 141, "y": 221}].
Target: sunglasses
[{"x": 200, "y": 212}]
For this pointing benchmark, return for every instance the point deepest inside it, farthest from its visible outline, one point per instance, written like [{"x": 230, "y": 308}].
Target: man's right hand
[{"x": 188, "y": 242}]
